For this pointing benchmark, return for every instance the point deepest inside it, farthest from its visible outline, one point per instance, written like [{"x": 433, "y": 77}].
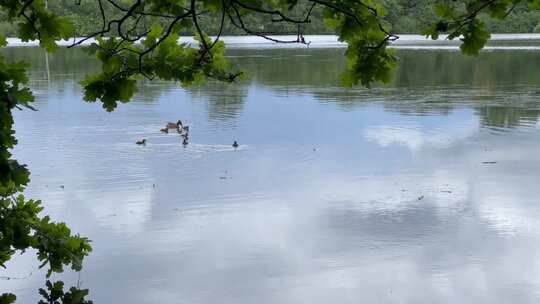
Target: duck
[
  {"x": 172, "y": 125},
  {"x": 165, "y": 130},
  {"x": 235, "y": 144},
  {"x": 141, "y": 142}
]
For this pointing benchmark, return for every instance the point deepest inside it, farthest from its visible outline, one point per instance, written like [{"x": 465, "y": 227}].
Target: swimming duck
[
  {"x": 172, "y": 125},
  {"x": 141, "y": 142},
  {"x": 165, "y": 130},
  {"x": 235, "y": 144}
]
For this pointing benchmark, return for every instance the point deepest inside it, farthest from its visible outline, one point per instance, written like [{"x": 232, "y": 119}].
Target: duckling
[
  {"x": 141, "y": 142},
  {"x": 172, "y": 125},
  {"x": 235, "y": 144},
  {"x": 165, "y": 130}
]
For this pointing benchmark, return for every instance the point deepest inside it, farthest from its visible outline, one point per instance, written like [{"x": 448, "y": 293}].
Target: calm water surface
[{"x": 334, "y": 196}]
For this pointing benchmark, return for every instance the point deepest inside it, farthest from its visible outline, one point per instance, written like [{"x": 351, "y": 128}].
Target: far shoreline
[{"x": 316, "y": 41}]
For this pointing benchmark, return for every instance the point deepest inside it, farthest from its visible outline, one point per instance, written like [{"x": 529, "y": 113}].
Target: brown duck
[{"x": 172, "y": 125}]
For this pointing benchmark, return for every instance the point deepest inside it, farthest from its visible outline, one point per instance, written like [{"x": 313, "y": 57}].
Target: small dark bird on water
[
  {"x": 141, "y": 142},
  {"x": 235, "y": 144},
  {"x": 165, "y": 130}
]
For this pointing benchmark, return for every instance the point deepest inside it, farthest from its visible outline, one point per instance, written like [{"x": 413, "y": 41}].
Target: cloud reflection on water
[{"x": 369, "y": 196}]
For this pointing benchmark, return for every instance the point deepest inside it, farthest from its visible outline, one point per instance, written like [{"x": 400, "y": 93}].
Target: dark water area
[{"x": 422, "y": 190}]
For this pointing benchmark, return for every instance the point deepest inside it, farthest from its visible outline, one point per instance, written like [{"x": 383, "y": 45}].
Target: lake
[{"x": 423, "y": 190}]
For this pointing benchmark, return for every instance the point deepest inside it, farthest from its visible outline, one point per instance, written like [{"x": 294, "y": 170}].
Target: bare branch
[
  {"x": 240, "y": 24},
  {"x": 345, "y": 11},
  {"x": 25, "y": 6},
  {"x": 221, "y": 24},
  {"x": 282, "y": 16}
]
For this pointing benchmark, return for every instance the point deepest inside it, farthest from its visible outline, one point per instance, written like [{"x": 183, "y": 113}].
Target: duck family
[
  {"x": 182, "y": 130},
  {"x": 179, "y": 126}
]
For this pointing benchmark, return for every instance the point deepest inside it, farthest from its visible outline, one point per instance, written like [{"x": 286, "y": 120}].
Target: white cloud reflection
[
  {"x": 285, "y": 224},
  {"x": 415, "y": 136}
]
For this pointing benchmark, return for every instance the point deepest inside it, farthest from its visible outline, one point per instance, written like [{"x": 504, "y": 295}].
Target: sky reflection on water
[{"x": 335, "y": 196}]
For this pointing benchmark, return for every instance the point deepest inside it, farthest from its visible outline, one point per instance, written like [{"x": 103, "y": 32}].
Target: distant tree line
[{"x": 405, "y": 17}]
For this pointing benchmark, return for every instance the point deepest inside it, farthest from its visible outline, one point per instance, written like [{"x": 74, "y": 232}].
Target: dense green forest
[{"x": 405, "y": 16}]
